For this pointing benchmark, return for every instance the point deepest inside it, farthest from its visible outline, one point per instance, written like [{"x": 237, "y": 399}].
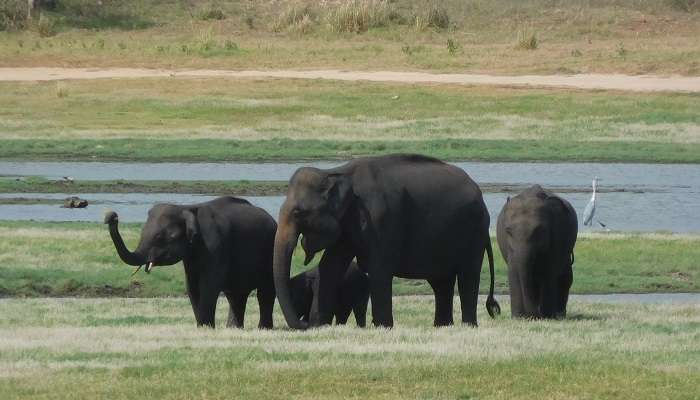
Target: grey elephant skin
[
  {"x": 352, "y": 295},
  {"x": 407, "y": 216},
  {"x": 225, "y": 245},
  {"x": 536, "y": 233}
]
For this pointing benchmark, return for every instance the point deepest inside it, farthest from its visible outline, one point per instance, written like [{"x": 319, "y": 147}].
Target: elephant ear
[
  {"x": 191, "y": 225},
  {"x": 210, "y": 230},
  {"x": 338, "y": 193}
]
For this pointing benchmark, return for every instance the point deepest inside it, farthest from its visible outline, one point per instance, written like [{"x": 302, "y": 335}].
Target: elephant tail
[{"x": 491, "y": 304}]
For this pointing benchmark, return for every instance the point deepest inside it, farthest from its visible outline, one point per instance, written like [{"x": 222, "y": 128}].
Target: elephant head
[
  {"x": 528, "y": 232},
  {"x": 165, "y": 238},
  {"x": 315, "y": 204}
]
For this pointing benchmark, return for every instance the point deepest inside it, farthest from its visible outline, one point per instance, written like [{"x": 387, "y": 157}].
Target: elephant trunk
[
  {"x": 130, "y": 258},
  {"x": 285, "y": 242},
  {"x": 524, "y": 262}
]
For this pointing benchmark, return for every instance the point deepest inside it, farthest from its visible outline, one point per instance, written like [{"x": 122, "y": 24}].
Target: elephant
[
  {"x": 408, "y": 216},
  {"x": 536, "y": 233},
  {"x": 352, "y": 295},
  {"x": 225, "y": 245}
]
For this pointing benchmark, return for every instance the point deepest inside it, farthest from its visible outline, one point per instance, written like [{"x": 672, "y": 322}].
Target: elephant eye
[
  {"x": 509, "y": 231},
  {"x": 299, "y": 213}
]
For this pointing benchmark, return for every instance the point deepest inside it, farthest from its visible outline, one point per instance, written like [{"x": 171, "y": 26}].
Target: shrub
[
  {"x": 211, "y": 13},
  {"x": 93, "y": 14},
  {"x": 685, "y": 5},
  {"x": 46, "y": 27},
  {"x": 437, "y": 17},
  {"x": 13, "y": 14}
]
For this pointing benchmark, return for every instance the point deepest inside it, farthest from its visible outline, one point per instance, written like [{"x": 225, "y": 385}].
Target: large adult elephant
[
  {"x": 536, "y": 233},
  {"x": 408, "y": 216},
  {"x": 225, "y": 245}
]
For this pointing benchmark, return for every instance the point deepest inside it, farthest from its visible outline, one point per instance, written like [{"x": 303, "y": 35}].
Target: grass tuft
[
  {"x": 358, "y": 16},
  {"x": 297, "y": 17},
  {"x": 527, "y": 40}
]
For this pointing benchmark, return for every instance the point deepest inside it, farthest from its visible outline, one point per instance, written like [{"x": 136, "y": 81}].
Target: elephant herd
[{"x": 407, "y": 216}]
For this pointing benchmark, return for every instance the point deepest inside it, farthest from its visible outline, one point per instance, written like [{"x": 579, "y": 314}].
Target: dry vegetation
[
  {"x": 649, "y": 36},
  {"x": 130, "y": 348}
]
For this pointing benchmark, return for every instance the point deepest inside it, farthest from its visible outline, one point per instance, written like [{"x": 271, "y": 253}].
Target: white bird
[{"x": 589, "y": 212}]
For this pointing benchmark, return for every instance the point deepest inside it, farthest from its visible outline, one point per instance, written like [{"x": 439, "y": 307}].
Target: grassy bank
[
  {"x": 78, "y": 259},
  {"x": 203, "y": 150},
  {"x": 503, "y": 36},
  {"x": 117, "y": 348},
  {"x": 219, "y": 120},
  {"x": 237, "y": 188}
]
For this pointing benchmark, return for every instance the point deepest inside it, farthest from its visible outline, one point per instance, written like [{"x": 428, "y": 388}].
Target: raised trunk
[
  {"x": 285, "y": 242},
  {"x": 124, "y": 253}
]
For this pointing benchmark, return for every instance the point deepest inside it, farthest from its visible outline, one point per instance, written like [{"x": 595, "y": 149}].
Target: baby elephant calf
[
  {"x": 353, "y": 295},
  {"x": 536, "y": 233}
]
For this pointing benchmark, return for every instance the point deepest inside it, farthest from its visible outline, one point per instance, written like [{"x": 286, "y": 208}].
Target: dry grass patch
[{"x": 98, "y": 341}]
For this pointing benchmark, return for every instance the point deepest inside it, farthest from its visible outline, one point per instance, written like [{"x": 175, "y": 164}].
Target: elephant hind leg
[
  {"x": 564, "y": 284},
  {"x": 341, "y": 316},
  {"x": 236, "y": 313},
  {"x": 468, "y": 279},
  {"x": 444, "y": 290},
  {"x": 266, "y": 302}
]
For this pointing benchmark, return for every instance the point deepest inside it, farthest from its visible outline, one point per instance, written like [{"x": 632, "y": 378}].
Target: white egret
[{"x": 589, "y": 212}]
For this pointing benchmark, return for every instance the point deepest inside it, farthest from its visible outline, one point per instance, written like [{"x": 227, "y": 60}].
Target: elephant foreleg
[
  {"x": 444, "y": 295},
  {"x": 360, "y": 311},
  {"x": 517, "y": 305},
  {"x": 192, "y": 284}
]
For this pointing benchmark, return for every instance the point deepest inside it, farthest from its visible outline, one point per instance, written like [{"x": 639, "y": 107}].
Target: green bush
[
  {"x": 685, "y": 5},
  {"x": 13, "y": 14},
  {"x": 211, "y": 13},
  {"x": 46, "y": 27}
]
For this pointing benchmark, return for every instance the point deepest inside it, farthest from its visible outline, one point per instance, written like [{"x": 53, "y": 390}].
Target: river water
[{"x": 656, "y": 197}]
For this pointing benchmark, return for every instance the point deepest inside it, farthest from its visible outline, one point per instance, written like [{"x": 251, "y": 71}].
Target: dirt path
[{"x": 640, "y": 83}]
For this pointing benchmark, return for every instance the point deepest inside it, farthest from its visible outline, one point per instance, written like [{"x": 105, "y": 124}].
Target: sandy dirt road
[{"x": 638, "y": 83}]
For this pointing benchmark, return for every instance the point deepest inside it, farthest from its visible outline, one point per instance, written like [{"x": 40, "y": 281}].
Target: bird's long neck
[{"x": 595, "y": 186}]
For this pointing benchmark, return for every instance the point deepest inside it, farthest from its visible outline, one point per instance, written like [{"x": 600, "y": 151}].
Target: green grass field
[
  {"x": 502, "y": 36},
  {"x": 244, "y": 119},
  {"x": 78, "y": 259},
  {"x": 149, "y": 348}
]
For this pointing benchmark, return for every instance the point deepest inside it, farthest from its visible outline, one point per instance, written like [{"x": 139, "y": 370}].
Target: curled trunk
[
  {"x": 127, "y": 256},
  {"x": 285, "y": 242}
]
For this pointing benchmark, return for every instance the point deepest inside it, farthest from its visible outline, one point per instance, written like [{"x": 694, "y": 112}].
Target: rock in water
[{"x": 74, "y": 202}]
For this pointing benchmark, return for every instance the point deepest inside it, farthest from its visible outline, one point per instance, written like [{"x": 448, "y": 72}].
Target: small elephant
[
  {"x": 225, "y": 245},
  {"x": 536, "y": 233},
  {"x": 352, "y": 295}
]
